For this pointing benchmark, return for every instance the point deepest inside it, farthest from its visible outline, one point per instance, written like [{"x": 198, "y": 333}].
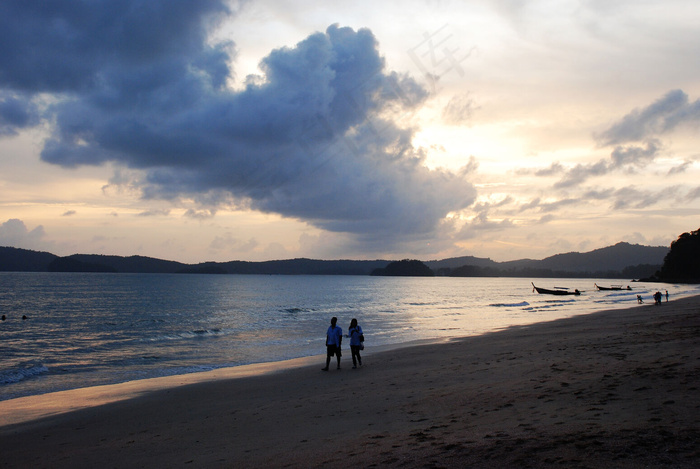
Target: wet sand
[{"x": 611, "y": 389}]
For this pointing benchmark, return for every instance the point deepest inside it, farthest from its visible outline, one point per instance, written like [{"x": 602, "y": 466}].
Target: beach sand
[{"x": 610, "y": 389}]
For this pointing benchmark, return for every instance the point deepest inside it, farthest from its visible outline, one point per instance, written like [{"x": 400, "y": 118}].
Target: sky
[{"x": 218, "y": 130}]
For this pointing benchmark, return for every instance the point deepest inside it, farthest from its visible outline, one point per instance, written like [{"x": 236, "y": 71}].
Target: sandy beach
[{"x": 611, "y": 389}]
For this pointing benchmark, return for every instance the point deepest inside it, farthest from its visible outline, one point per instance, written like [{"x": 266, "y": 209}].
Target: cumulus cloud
[
  {"x": 15, "y": 233},
  {"x": 315, "y": 137}
]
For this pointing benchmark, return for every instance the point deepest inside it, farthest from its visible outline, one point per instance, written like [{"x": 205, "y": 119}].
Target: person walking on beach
[
  {"x": 356, "y": 339},
  {"x": 334, "y": 337}
]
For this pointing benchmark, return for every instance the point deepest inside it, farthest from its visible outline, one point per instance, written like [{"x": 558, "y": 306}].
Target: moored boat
[
  {"x": 557, "y": 291},
  {"x": 612, "y": 287}
]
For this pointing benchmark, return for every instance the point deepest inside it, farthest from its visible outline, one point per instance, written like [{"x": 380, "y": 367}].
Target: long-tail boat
[
  {"x": 557, "y": 291},
  {"x": 612, "y": 287}
]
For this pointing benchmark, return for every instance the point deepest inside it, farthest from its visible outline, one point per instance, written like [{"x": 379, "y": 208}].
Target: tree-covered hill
[{"x": 682, "y": 263}]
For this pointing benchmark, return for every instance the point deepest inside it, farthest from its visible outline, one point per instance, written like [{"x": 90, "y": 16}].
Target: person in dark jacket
[
  {"x": 334, "y": 337},
  {"x": 356, "y": 339}
]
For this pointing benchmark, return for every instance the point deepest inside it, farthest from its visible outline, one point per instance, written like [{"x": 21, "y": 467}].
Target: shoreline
[
  {"x": 38, "y": 406},
  {"x": 612, "y": 387}
]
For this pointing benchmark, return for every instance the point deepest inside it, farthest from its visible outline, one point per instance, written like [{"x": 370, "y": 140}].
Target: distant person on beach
[
  {"x": 666, "y": 296},
  {"x": 334, "y": 337},
  {"x": 356, "y": 339},
  {"x": 657, "y": 298},
  {"x": 639, "y": 299}
]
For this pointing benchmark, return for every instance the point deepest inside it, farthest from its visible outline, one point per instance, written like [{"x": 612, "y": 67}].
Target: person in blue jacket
[
  {"x": 356, "y": 339},
  {"x": 334, "y": 337}
]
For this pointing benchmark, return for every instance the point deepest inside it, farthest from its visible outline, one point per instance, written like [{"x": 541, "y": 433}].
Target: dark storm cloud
[
  {"x": 67, "y": 46},
  {"x": 137, "y": 83},
  {"x": 16, "y": 113}
]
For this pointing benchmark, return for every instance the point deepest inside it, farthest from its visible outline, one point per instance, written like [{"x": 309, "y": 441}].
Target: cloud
[
  {"x": 15, "y": 233},
  {"x": 229, "y": 243},
  {"x": 631, "y": 197},
  {"x": 545, "y": 219},
  {"x": 153, "y": 213},
  {"x": 73, "y": 46},
  {"x": 693, "y": 194},
  {"x": 547, "y": 207},
  {"x": 681, "y": 168},
  {"x": 203, "y": 214},
  {"x": 316, "y": 137},
  {"x": 69, "y": 213},
  {"x": 482, "y": 223},
  {"x": 663, "y": 115},
  {"x": 459, "y": 110},
  {"x": 622, "y": 158},
  {"x": 554, "y": 168},
  {"x": 633, "y": 139},
  {"x": 16, "y": 112}
]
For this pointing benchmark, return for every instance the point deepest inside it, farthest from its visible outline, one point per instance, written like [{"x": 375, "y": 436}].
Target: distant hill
[
  {"x": 615, "y": 257},
  {"x": 454, "y": 262},
  {"x": 405, "y": 268},
  {"x": 24, "y": 260},
  {"x": 622, "y": 260},
  {"x": 132, "y": 264}
]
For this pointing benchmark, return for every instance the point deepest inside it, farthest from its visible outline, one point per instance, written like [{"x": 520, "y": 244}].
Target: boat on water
[
  {"x": 556, "y": 291},
  {"x": 612, "y": 287}
]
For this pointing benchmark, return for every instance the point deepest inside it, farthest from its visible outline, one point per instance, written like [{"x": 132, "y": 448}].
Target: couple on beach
[{"x": 334, "y": 337}]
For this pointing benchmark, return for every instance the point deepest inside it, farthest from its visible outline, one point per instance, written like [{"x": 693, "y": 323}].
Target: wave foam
[
  {"x": 21, "y": 374},
  {"x": 509, "y": 305}
]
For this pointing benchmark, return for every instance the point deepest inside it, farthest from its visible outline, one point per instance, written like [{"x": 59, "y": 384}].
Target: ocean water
[{"x": 93, "y": 329}]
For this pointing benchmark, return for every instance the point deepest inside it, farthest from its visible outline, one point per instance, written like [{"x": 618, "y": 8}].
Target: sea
[{"x": 71, "y": 330}]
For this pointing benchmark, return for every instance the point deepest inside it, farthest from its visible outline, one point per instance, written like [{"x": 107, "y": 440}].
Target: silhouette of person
[
  {"x": 356, "y": 339},
  {"x": 666, "y": 296},
  {"x": 334, "y": 337},
  {"x": 3, "y": 317},
  {"x": 657, "y": 298},
  {"x": 639, "y": 299}
]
